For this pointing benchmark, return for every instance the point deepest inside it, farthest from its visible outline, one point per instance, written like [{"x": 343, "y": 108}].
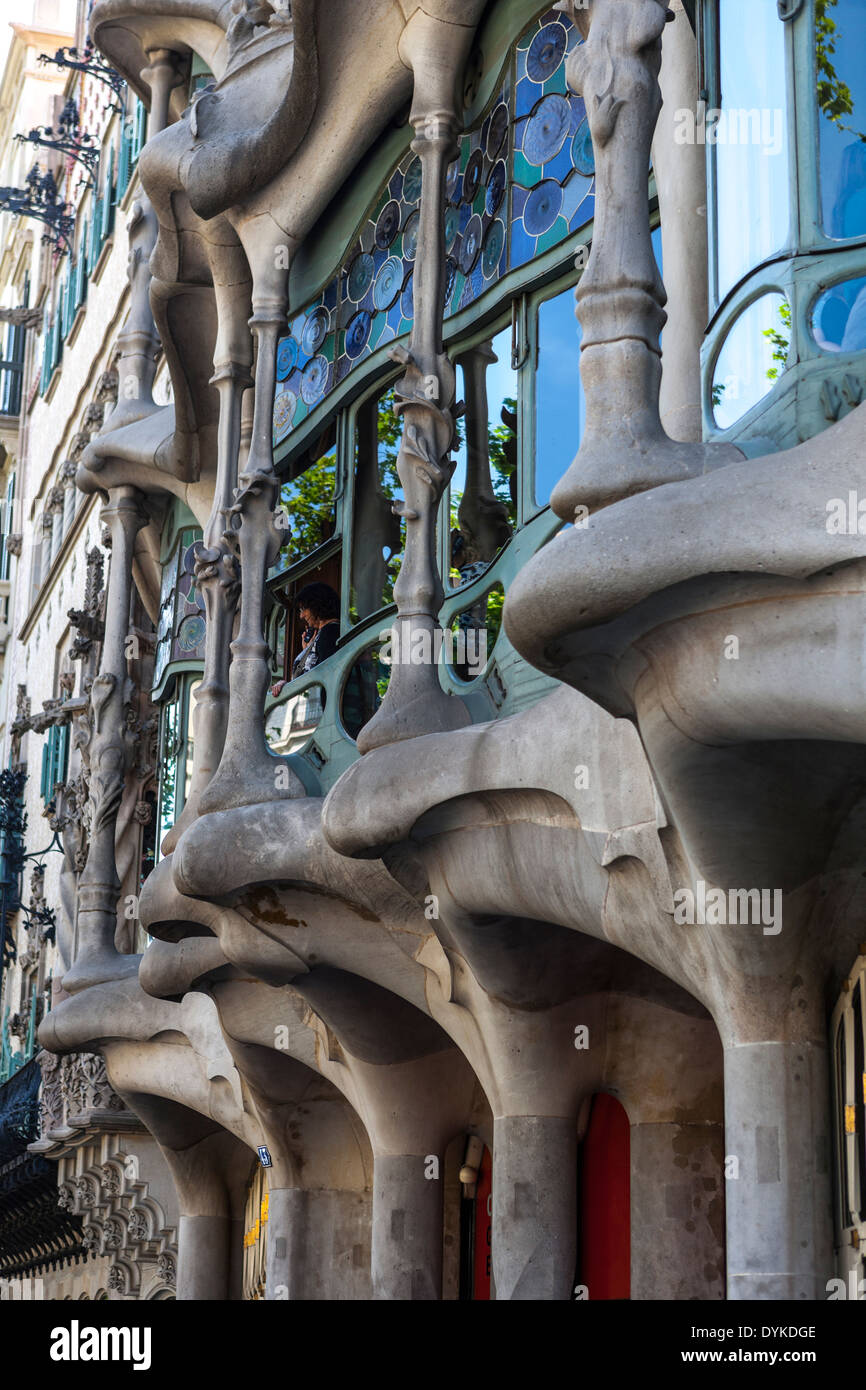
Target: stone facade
[{"x": 511, "y": 972}]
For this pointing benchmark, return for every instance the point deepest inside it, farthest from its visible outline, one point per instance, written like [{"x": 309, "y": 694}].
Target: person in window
[{"x": 319, "y": 610}]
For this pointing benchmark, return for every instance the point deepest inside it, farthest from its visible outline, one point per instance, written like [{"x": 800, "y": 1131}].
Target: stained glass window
[{"x": 522, "y": 182}]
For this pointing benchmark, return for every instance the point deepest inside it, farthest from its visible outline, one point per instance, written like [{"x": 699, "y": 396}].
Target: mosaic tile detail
[{"x": 523, "y": 182}]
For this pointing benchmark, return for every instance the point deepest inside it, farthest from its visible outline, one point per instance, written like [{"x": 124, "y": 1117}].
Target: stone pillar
[
  {"x": 162, "y": 75},
  {"x": 204, "y": 1246},
  {"x": 139, "y": 340},
  {"x": 677, "y": 1212},
  {"x": 96, "y": 959},
  {"x": 415, "y": 702},
  {"x": 777, "y": 1152},
  {"x": 681, "y": 178},
  {"x": 406, "y": 1259},
  {"x": 217, "y": 573},
  {"x": 620, "y": 296},
  {"x": 534, "y": 1237},
  {"x": 247, "y": 773}
]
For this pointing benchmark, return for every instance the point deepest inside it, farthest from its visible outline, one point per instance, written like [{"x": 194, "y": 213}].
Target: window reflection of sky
[
  {"x": 752, "y": 177},
  {"x": 842, "y": 102},
  {"x": 501, "y": 386},
  {"x": 560, "y": 406}
]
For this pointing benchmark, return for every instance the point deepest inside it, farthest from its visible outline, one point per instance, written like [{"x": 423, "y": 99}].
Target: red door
[
  {"x": 605, "y": 1205},
  {"x": 483, "y": 1228}
]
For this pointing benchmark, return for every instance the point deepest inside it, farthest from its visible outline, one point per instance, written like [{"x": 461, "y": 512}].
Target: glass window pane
[
  {"x": 291, "y": 723},
  {"x": 483, "y": 496},
  {"x": 308, "y": 498},
  {"x": 750, "y": 139},
  {"x": 839, "y": 317},
  {"x": 169, "y": 747},
  {"x": 752, "y": 358},
  {"x": 474, "y": 633},
  {"x": 840, "y": 45},
  {"x": 560, "y": 408},
  {"x": 378, "y": 535},
  {"x": 365, "y": 689}
]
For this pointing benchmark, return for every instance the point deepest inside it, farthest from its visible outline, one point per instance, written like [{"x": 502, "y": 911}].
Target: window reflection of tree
[
  {"x": 483, "y": 519},
  {"x": 308, "y": 498},
  {"x": 378, "y": 535}
]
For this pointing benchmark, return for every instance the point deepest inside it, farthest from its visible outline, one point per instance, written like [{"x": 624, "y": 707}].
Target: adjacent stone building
[{"x": 505, "y": 941}]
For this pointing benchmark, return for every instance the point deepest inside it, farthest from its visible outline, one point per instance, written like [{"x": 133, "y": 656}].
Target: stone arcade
[{"x": 412, "y": 925}]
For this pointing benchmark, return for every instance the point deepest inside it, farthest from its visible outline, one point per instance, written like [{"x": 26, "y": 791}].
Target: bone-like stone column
[
  {"x": 247, "y": 773},
  {"x": 406, "y": 1258},
  {"x": 778, "y": 1195},
  {"x": 96, "y": 959},
  {"x": 534, "y": 1239},
  {"x": 681, "y": 179},
  {"x": 620, "y": 296},
  {"x": 415, "y": 702},
  {"x": 217, "y": 574},
  {"x": 139, "y": 340}
]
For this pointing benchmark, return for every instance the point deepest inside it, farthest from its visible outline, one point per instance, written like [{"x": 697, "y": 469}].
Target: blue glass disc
[
  {"x": 388, "y": 224},
  {"x": 495, "y": 188},
  {"x": 542, "y": 207},
  {"x": 494, "y": 241},
  {"x": 314, "y": 380},
  {"x": 360, "y": 276},
  {"x": 497, "y": 130},
  {"x": 472, "y": 175},
  {"x": 546, "y": 130},
  {"x": 409, "y": 243},
  {"x": 470, "y": 245},
  {"x": 287, "y": 356},
  {"x": 582, "y": 153},
  {"x": 315, "y": 331},
  {"x": 389, "y": 283},
  {"x": 546, "y": 52},
  {"x": 357, "y": 333}
]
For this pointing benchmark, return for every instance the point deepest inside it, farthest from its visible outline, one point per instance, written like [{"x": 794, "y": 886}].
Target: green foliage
[
  {"x": 780, "y": 341},
  {"x": 834, "y": 95},
  {"x": 309, "y": 502}
]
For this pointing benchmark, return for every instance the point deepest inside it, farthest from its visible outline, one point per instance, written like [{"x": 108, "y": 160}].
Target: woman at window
[{"x": 319, "y": 610}]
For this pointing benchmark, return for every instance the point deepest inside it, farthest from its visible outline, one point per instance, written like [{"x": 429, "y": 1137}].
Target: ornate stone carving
[
  {"x": 112, "y": 1234},
  {"x": 88, "y": 620},
  {"x": 106, "y": 388},
  {"x": 167, "y": 1270},
  {"x": 14, "y": 543},
  {"x": 137, "y": 1228},
  {"x": 117, "y": 1279}
]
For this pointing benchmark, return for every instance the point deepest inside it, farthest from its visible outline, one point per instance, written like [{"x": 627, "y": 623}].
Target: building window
[
  {"x": 175, "y": 754},
  {"x": 840, "y": 42},
  {"x": 55, "y": 760},
  {"x": 749, "y": 142}
]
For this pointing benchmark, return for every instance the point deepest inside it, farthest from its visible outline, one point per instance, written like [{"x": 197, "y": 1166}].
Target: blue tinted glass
[
  {"x": 840, "y": 47},
  {"x": 560, "y": 408},
  {"x": 752, "y": 359},
  {"x": 750, "y": 139},
  {"x": 839, "y": 317}
]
